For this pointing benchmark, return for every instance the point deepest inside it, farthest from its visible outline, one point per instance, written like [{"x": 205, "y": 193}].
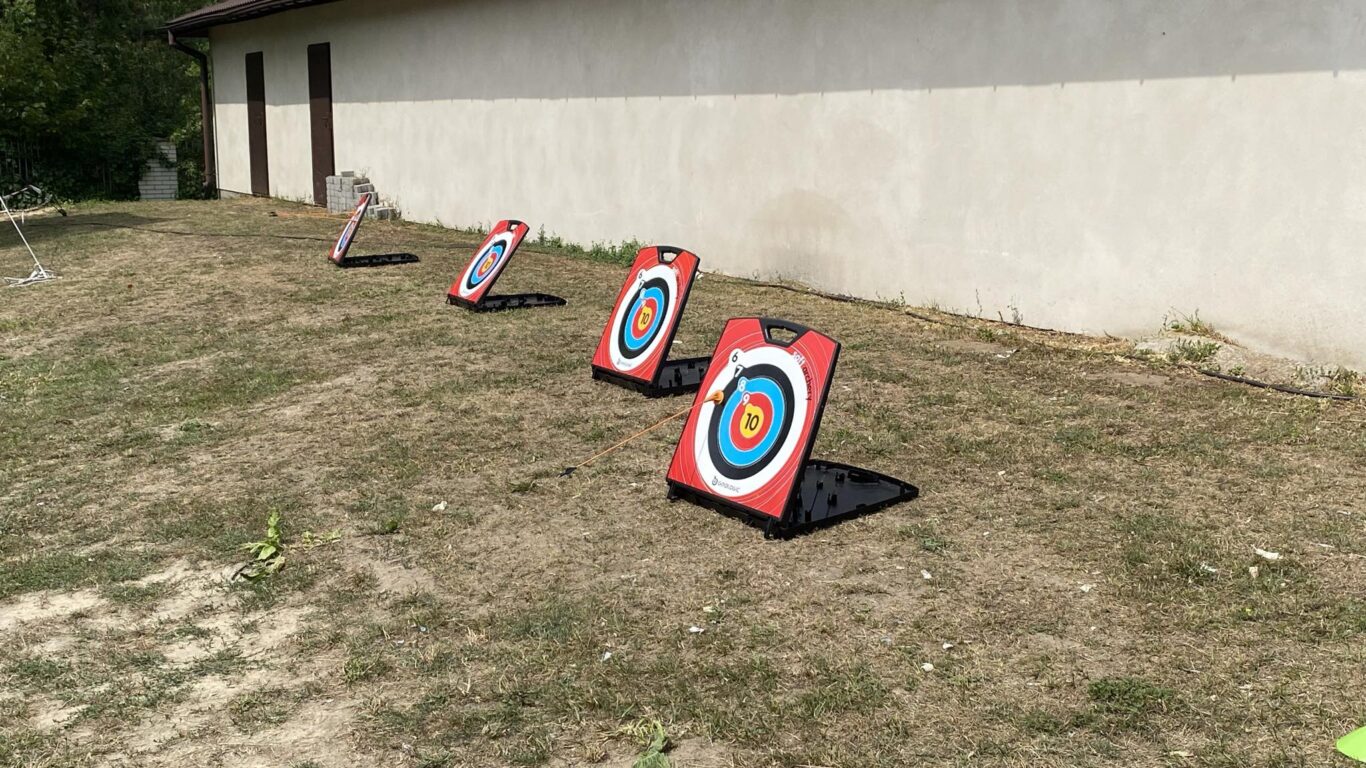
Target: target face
[
  {"x": 749, "y": 448},
  {"x": 636, "y": 341},
  {"x": 489, "y": 260},
  {"x": 349, "y": 231}
]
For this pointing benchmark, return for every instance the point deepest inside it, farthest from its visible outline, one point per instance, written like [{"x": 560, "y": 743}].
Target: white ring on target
[
  {"x": 620, "y": 361},
  {"x": 506, "y": 238},
  {"x": 783, "y": 361},
  {"x": 349, "y": 231}
]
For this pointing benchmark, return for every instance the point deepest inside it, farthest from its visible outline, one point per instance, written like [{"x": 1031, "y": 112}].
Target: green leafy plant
[
  {"x": 613, "y": 253},
  {"x": 1191, "y": 324},
  {"x": 268, "y": 553},
  {"x": 1129, "y": 696},
  {"x": 654, "y": 741},
  {"x": 387, "y": 526},
  {"x": 1185, "y": 351},
  {"x": 1344, "y": 381}
]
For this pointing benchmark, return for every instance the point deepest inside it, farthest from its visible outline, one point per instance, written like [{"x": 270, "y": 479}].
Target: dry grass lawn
[{"x": 1079, "y": 570}]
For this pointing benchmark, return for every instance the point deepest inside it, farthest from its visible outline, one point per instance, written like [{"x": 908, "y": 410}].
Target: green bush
[{"x": 86, "y": 88}]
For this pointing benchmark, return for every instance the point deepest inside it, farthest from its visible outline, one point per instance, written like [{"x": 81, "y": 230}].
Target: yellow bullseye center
[
  {"x": 751, "y": 421},
  {"x": 643, "y": 319}
]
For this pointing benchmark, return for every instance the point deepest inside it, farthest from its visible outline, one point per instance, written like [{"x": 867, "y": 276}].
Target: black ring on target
[
  {"x": 632, "y": 348},
  {"x": 714, "y": 429},
  {"x": 495, "y": 250}
]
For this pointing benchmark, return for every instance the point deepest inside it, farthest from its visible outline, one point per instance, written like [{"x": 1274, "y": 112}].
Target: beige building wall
[{"x": 1088, "y": 165}]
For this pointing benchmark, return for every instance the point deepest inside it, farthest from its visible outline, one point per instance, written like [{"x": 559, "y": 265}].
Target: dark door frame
[
  {"x": 256, "y": 124},
  {"x": 320, "y": 118}
]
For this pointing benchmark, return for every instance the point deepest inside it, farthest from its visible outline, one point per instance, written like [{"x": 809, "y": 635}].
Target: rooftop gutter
[{"x": 198, "y": 23}]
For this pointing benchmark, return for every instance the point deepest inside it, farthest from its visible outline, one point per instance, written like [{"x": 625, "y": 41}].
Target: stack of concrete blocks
[
  {"x": 344, "y": 191},
  {"x": 159, "y": 179}
]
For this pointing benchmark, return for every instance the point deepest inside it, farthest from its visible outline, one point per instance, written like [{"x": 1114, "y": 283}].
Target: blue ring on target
[
  {"x": 635, "y": 342},
  {"x": 344, "y": 242},
  {"x": 498, "y": 249},
  {"x": 770, "y": 389}
]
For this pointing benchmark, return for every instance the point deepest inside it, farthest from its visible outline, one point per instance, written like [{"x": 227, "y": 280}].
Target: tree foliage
[{"x": 88, "y": 86}]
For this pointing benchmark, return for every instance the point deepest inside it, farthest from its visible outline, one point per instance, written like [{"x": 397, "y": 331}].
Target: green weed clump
[
  {"x": 268, "y": 553},
  {"x": 1191, "y": 324},
  {"x": 623, "y": 252},
  {"x": 651, "y": 735},
  {"x": 1195, "y": 352}
]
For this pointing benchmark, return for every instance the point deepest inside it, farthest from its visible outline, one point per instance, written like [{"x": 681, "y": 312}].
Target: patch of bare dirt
[
  {"x": 194, "y": 728},
  {"x": 700, "y": 753},
  {"x": 321, "y": 732},
  {"x": 52, "y": 713},
  {"x": 397, "y": 578},
  {"x": 1132, "y": 378},
  {"x": 202, "y": 706},
  {"x": 37, "y": 607},
  {"x": 976, "y": 347}
]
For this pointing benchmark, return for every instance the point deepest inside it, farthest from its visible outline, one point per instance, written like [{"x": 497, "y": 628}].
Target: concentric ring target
[
  {"x": 344, "y": 242},
  {"x": 641, "y": 320},
  {"x": 745, "y": 440},
  {"x": 486, "y": 264},
  {"x": 754, "y": 418}
]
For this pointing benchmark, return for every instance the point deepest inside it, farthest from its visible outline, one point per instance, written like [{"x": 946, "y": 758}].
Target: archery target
[
  {"x": 745, "y": 440},
  {"x": 749, "y": 448},
  {"x": 349, "y": 231},
  {"x": 489, "y": 261},
  {"x": 640, "y": 320},
  {"x": 637, "y": 337}
]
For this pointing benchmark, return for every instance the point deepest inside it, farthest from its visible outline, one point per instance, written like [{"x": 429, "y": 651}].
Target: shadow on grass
[{"x": 55, "y": 227}]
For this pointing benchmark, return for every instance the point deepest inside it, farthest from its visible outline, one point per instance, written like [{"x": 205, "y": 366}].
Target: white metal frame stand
[{"x": 40, "y": 274}]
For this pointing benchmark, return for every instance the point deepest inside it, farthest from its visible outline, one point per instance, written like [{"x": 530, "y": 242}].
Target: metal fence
[
  {"x": 22, "y": 163},
  {"x": 18, "y": 163}
]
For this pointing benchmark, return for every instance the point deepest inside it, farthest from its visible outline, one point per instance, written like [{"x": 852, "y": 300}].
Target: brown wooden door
[
  {"x": 256, "y": 124},
  {"x": 320, "y": 116}
]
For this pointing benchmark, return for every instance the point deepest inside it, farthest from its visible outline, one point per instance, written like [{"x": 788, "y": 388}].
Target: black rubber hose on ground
[{"x": 1276, "y": 387}]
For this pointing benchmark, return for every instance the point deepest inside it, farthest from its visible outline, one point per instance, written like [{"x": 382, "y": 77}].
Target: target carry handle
[
  {"x": 770, "y": 324},
  {"x": 667, "y": 253}
]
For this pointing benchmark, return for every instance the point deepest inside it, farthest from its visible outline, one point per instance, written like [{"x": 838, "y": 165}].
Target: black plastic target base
[
  {"x": 676, "y": 377},
  {"x": 377, "y": 260},
  {"x": 510, "y": 301},
  {"x": 829, "y": 493}
]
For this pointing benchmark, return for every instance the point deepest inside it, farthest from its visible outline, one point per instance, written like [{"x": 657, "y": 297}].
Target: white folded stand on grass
[{"x": 40, "y": 274}]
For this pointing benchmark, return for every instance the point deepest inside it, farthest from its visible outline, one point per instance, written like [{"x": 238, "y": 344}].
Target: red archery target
[
  {"x": 749, "y": 448},
  {"x": 348, "y": 233},
  {"x": 488, "y": 262},
  {"x": 645, "y": 318}
]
